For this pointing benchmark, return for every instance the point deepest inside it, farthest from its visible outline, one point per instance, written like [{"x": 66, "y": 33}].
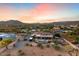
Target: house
[
  {"x": 42, "y": 37},
  {"x": 56, "y": 28}
]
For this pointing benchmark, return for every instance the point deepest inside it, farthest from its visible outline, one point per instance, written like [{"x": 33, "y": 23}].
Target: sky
[{"x": 39, "y": 12}]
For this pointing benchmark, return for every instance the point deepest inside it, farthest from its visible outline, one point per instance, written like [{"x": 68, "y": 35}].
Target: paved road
[
  {"x": 21, "y": 43},
  {"x": 74, "y": 46}
]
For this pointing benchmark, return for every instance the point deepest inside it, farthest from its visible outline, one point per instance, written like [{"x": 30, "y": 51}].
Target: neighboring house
[
  {"x": 42, "y": 37},
  {"x": 73, "y": 26},
  {"x": 56, "y": 28},
  {"x": 33, "y": 30}
]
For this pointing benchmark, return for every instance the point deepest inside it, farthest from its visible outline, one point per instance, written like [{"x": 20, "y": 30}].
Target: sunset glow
[{"x": 38, "y": 13}]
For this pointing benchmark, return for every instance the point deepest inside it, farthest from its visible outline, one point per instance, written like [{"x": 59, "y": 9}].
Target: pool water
[{"x": 7, "y": 35}]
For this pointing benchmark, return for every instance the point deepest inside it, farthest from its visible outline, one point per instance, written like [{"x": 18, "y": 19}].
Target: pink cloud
[
  {"x": 38, "y": 11},
  {"x": 5, "y": 9},
  {"x": 42, "y": 9},
  {"x": 29, "y": 16}
]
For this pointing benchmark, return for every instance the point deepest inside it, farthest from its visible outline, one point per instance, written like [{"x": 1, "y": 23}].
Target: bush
[
  {"x": 5, "y": 42},
  {"x": 40, "y": 45},
  {"x": 47, "y": 46},
  {"x": 56, "y": 47},
  {"x": 68, "y": 48},
  {"x": 27, "y": 44},
  {"x": 77, "y": 39},
  {"x": 21, "y": 53},
  {"x": 31, "y": 45}
]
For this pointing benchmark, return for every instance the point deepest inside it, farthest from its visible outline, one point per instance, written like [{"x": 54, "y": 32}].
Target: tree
[
  {"x": 77, "y": 39},
  {"x": 34, "y": 38},
  {"x": 72, "y": 33},
  {"x": 57, "y": 35}
]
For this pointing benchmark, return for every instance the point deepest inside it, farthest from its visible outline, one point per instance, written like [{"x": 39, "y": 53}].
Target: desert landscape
[{"x": 39, "y": 29}]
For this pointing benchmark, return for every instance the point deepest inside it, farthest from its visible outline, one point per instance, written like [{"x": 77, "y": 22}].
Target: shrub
[
  {"x": 27, "y": 44},
  {"x": 40, "y": 45},
  {"x": 70, "y": 53},
  {"x": 19, "y": 51},
  {"x": 5, "y": 42},
  {"x": 68, "y": 48},
  {"x": 57, "y": 47},
  {"x": 77, "y": 39},
  {"x": 31, "y": 45},
  {"x": 47, "y": 46}
]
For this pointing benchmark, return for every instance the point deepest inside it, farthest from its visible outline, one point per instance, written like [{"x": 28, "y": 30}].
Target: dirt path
[
  {"x": 34, "y": 51},
  {"x": 75, "y": 47}
]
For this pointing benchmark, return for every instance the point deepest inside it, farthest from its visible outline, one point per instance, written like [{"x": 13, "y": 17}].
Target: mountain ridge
[{"x": 16, "y": 22}]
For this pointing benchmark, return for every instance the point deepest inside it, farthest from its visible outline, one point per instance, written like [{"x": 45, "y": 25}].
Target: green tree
[{"x": 77, "y": 39}]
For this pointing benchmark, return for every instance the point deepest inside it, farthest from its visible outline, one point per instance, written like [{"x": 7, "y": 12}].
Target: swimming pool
[{"x": 7, "y": 35}]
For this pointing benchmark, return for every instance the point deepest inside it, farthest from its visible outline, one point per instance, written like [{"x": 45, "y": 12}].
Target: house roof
[{"x": 42, "y": 34}]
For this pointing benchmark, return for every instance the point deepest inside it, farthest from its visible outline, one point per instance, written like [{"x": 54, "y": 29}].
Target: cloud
[
  {"x": 33, "y": 15},
  {"x": 42, "y": 9},
  {"x": 28, "y": 19},
  {"x": 44, "y": 12}
]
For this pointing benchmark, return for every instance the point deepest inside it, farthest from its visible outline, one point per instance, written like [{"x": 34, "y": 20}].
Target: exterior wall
[{"x": 42, "y": 37}]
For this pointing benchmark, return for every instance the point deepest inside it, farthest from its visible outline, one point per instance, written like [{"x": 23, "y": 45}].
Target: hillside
[
  {"x": 11, "y": 22},
  {"x": 16, "y": 22},
  {"x": 66, "y": 23}
]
